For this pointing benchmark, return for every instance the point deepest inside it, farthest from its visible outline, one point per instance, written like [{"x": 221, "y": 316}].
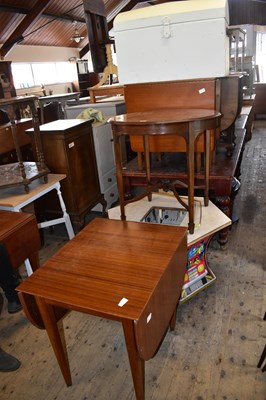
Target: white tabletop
[
  {"x": 211, "y": 220},
  {"x": 15, "y": 197}
]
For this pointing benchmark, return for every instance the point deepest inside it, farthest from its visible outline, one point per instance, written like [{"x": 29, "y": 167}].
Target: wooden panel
[
  {"x": 260, "y": 103},
  {"x": 150, "y": 328},
  {"x": 19, "y": 232},
  {"x": 175, "y": 94},
  {"x": 231, "y": 99},
  {"x": 200, "y": 93}
]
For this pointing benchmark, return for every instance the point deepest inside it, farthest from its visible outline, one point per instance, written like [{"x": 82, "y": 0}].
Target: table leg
[
  {"x": 34, "y": 261},
  {"x": 207, "y": 167},
  {"x": 190, "y": 173},
  {"x": 92, "y": 97},
  {"x": 42, "y": 114},
  {"x": 56, "y": 337},
  {"x": 65, "y": 214},
  {"x": 172, "y": 323},
  {"x": 224, "y": 204},
  {"x": 136, "y": 363},
  {"x": 119, "y": 176}
]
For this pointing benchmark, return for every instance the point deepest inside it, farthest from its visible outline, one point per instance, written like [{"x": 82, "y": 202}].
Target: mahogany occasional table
[
  {"x": 166, "y": 123},
  {"x": 130, "y": 272}
]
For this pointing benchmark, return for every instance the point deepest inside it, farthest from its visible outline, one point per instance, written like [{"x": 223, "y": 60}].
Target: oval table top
[{"x": 171, "y": 115}]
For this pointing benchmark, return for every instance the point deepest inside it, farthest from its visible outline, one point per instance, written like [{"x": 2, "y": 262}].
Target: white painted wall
[{"x": 21, "y": 53}]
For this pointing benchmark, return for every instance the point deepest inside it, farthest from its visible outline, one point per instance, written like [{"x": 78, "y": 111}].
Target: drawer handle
[{"x": 109, "y": 180}]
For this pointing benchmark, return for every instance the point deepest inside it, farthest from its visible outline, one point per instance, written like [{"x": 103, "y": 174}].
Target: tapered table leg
[
  {"x": 136, "y": 363},
  {"x": 190, "y": 173},
  {"x": 207, "y": 167},
  {"x": 56, "y": 338}
]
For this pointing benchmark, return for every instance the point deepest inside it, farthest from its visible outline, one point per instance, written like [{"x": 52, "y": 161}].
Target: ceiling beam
[
  {"x": 127, "y": 7},
  {"x": 26, "y": 23},
  {"x": 25, "y": 11}
]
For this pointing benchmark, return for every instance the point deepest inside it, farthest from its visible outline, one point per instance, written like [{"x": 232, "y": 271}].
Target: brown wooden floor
[{"x": 211, "y": 355}]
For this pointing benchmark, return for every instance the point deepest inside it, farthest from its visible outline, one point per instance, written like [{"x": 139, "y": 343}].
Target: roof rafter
[
  {"x": 128, "y": 7},
  {"x": 26, "y": 23},
  {"x": 25, "y": 11}
]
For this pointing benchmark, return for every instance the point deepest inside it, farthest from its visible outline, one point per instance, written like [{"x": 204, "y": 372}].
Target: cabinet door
[
  {"x": 82, "y": 180},
  {"x": 102, "y": 135}
]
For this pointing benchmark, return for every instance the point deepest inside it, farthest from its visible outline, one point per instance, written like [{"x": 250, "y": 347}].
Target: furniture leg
[
  {"x": 223, "y": 202},
  {"x": 92, "y": 97},
  {"x": 65, "y": 214},
  {"x": 65, "y": 219},
  {"x": 34, "y": 261},
  {"x": 262, "y": 357},
  {"x": 37, "y": 136},
  {"x": 139, "y": 156},
  {"x": 28, "y": 267},
  {"x": 15, "y": 139},
  {"x": 56, "y": 338},
  {"x": 119, "y": 176},
  {"x": 198, "y": 161},
  {"x": 190, "y": 173},
  {"x": 207, "y": 167},
  {"x": 173, "y": 321},
  {"x": 136, "y": 363},
  {"x": 147, "y": 160}
]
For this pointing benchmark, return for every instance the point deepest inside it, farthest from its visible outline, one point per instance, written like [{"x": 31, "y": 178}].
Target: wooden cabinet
[
  {"x": 103, "y": 143},
  {"x": 69, "y": 149},
  {"x": 85, "y": 80},
  {"x": 83, "y": 84},
  {"x": 7, "y": 88}
]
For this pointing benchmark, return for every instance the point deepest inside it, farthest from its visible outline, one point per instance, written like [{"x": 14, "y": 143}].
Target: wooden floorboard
[{"x": 219, "y": 336}]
